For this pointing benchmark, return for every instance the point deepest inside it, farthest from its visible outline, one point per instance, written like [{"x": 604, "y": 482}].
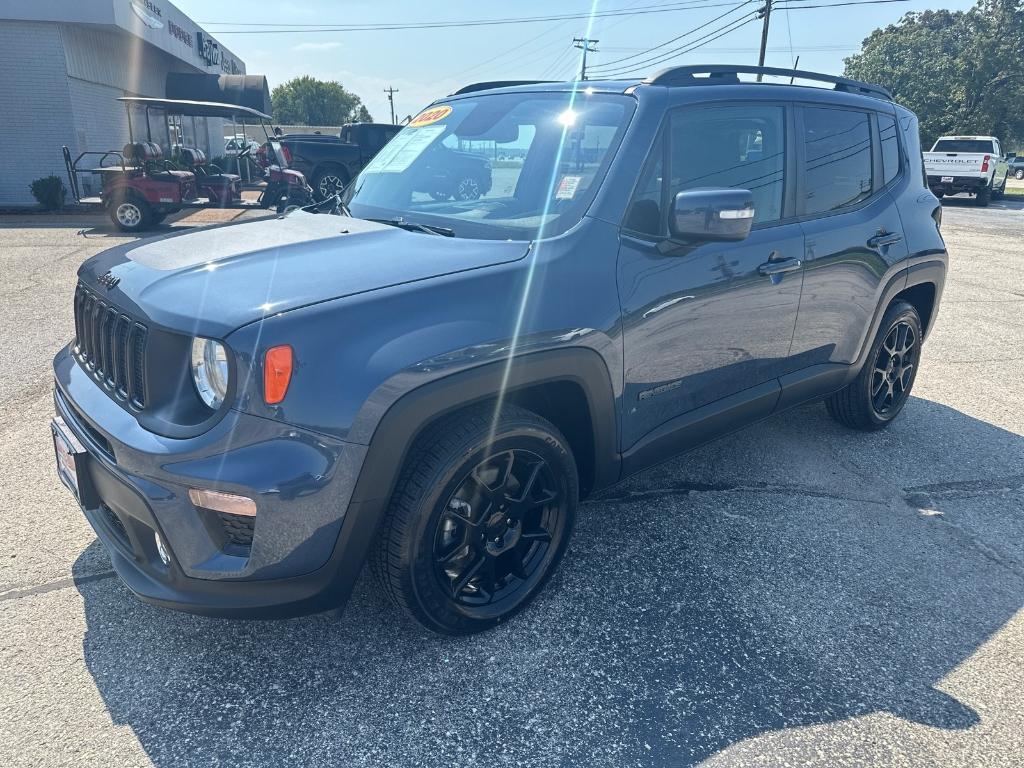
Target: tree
[
  {"x": 308, "y": 101},
  {"x": 961, "y": 72}
]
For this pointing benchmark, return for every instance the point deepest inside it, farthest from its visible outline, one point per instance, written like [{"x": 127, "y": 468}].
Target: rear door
[{"x": 854, "y": 238}]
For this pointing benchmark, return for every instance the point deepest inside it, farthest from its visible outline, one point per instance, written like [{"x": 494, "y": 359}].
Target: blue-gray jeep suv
[{"x": 249, "y": 413}]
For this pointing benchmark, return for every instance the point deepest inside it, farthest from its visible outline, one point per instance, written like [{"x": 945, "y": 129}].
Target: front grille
[
  {"x": 111, "y": 346},
  {"x": 237, "y": 528}
]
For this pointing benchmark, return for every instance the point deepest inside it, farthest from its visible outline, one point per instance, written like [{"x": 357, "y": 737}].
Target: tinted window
[
  {"x": 837, "y": 162},
  {"x": 963, "y": 145},
  {"x": 645, "y": 214},
  {"x": 890, "y": 147},
  {"x": 738, "y": 147}
]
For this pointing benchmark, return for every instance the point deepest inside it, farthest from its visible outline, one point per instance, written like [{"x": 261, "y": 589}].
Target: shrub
[{"x": 49, "y": 191}]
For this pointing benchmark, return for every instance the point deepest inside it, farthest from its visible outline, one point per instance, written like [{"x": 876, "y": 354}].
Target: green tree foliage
[
  {"x": 961, "y": 72},
  {"x": 308, "y": 101}
]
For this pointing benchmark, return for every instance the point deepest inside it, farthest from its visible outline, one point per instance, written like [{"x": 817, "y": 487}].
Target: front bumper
[{"x": 301, "y": 482}]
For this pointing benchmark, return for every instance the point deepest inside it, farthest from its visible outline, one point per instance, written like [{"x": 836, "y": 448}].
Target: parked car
[
  {"x": 331, "y": 162},
  {"x": 972, "y": 164},
  {"x": 1015, "y": 167},
  {"x": 431, "y": 386},
  {"x": 235, "y": 145}
]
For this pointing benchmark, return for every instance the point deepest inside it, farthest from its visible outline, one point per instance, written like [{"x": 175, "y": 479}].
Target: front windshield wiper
[{"x": 412, "y": 226}]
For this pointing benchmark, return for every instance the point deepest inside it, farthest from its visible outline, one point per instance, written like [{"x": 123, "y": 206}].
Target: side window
[
  {"x": 890, "y": 147},
  {"x": 645, "y": 215},
  {"x": 738, "y": 147},
  {"x": 837, "y": 158}
]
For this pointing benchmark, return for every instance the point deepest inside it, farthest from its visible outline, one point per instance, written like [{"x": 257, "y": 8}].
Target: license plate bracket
[{"x": 71, "y": 458}]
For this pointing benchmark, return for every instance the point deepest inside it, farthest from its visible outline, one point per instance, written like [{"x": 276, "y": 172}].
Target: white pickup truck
[{"x": 972, "y": 164}]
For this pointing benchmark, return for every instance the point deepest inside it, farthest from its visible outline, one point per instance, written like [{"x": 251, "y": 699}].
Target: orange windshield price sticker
[{"x": 428, "y": 116}]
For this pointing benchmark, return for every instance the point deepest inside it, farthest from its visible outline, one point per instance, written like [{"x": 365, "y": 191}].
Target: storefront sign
[
  {"x": 148, "y": 12},
  {"x": 209, "y": 51},
  {"x": 179, "y": 33}
]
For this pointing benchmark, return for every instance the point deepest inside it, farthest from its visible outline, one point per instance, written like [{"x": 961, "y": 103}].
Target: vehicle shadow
[
  {"x": 1007, "y": 203},
  {"x": 702, "y": 604}
]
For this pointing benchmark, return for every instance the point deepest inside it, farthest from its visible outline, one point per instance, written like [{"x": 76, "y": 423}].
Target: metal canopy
[{"x": 197, "y": 108}]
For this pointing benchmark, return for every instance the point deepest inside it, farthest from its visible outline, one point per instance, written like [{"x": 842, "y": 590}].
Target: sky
[{"x": 425, "y": 64}]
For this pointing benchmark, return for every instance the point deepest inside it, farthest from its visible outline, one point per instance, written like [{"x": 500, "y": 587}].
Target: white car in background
[
  {"x": 233, "y": 145},
  {"x": 972, "y": 164}
]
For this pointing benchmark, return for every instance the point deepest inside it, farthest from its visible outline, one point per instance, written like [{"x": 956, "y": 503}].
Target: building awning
[
  {"x": 197, "y": 108},
  {"x": 250, "y": 91}
]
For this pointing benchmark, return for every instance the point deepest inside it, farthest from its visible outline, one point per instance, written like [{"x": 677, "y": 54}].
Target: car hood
[{"x": 210, "y": 282}]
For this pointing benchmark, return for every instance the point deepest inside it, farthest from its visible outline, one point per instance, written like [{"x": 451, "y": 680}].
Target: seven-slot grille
[{"x": 112, "y": 346}]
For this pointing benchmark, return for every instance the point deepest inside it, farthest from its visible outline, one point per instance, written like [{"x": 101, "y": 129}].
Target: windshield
[
  {"x": 500, "y": 166},
  {"x": 963, "y": 145}
]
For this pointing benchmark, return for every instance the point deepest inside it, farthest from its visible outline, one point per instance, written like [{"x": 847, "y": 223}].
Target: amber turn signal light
[{"x": 277, "y": 373}]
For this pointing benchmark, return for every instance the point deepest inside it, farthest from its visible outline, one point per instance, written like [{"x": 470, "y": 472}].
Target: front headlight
[{"x": 210, "y": 370}]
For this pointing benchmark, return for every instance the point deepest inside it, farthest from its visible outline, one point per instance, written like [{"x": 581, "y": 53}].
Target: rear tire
[
  {"x": 877, "y": 396},
  {"x": 1019, "y": 174},
  {"x": 130, "y": 213},
  {"x": 984, "y": 197},
  {"x": 476, "y": 527},
  {"x": 998, "y": 193}
]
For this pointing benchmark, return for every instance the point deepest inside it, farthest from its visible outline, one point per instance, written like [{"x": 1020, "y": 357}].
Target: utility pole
[
  {"x": 766, "y": 14},
  {"x": 391, "y": 100},
  {"x": 584, "y": 44}
]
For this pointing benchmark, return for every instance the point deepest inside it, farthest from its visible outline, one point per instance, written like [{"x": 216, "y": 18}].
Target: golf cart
[{"x": 139, "y": 187}]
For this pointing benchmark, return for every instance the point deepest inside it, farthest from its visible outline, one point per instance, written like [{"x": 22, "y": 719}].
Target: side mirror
[{"x": 712, "y": 215}]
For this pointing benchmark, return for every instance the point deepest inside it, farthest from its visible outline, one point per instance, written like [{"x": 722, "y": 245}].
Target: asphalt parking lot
[{"x": 795, "y": 594}]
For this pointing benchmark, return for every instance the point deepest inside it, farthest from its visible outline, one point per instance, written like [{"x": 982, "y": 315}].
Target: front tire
[
  {"x": 131, "y": 213},
  {"x": 479, "y": 520},
  {"x": 877, "y": 396},
  {"x": 1019, "y": 174}
]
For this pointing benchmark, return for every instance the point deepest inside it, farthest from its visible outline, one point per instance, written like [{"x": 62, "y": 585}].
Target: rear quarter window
[{"x": 837, "y": 158}]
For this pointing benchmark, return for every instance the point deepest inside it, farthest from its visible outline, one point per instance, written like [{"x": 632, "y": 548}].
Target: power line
[
  {"x": 282, "y": 28},
  {"x": 786, "y": 4},
  {"x": 694, "y": 45},
  {"x": 609, "y": 64},
  {"x": 661, "y": 57}
]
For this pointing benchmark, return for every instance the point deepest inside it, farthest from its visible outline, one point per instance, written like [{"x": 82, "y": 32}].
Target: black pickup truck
[{"x": 331, "y": 162}]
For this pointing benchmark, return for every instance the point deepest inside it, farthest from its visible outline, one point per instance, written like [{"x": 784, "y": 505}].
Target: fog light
[
  {"x": 161, "y": 550},
  {"x": 219, "y": 501}
]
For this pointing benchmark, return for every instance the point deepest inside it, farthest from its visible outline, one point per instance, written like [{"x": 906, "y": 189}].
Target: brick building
[{"x": 65, "y": 63}]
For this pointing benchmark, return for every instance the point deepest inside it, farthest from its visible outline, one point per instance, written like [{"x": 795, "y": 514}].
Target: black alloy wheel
[
  {"x": 894, "y": 368},
  {"x": 479, "y": 519},
  {"x": 494, "y": 533},
  {"x": 882, "y": 386}
]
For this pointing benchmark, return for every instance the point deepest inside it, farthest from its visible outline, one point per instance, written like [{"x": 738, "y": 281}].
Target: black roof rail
[
  {"x": 725, "y": 74},
  {"x": 489, "y": 84}
]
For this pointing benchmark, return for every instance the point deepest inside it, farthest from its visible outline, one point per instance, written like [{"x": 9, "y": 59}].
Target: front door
[{"x": 705, "y": 323}]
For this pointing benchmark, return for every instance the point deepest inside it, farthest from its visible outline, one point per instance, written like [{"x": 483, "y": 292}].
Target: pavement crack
[
  {"x": 16, "y": 593},
  {"x": 685, "y": 489}
]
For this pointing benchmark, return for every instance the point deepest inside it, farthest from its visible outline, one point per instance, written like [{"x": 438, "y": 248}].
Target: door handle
[
  {"x": 779, "y": 266},
  {"x": 884, "y": 238}
]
